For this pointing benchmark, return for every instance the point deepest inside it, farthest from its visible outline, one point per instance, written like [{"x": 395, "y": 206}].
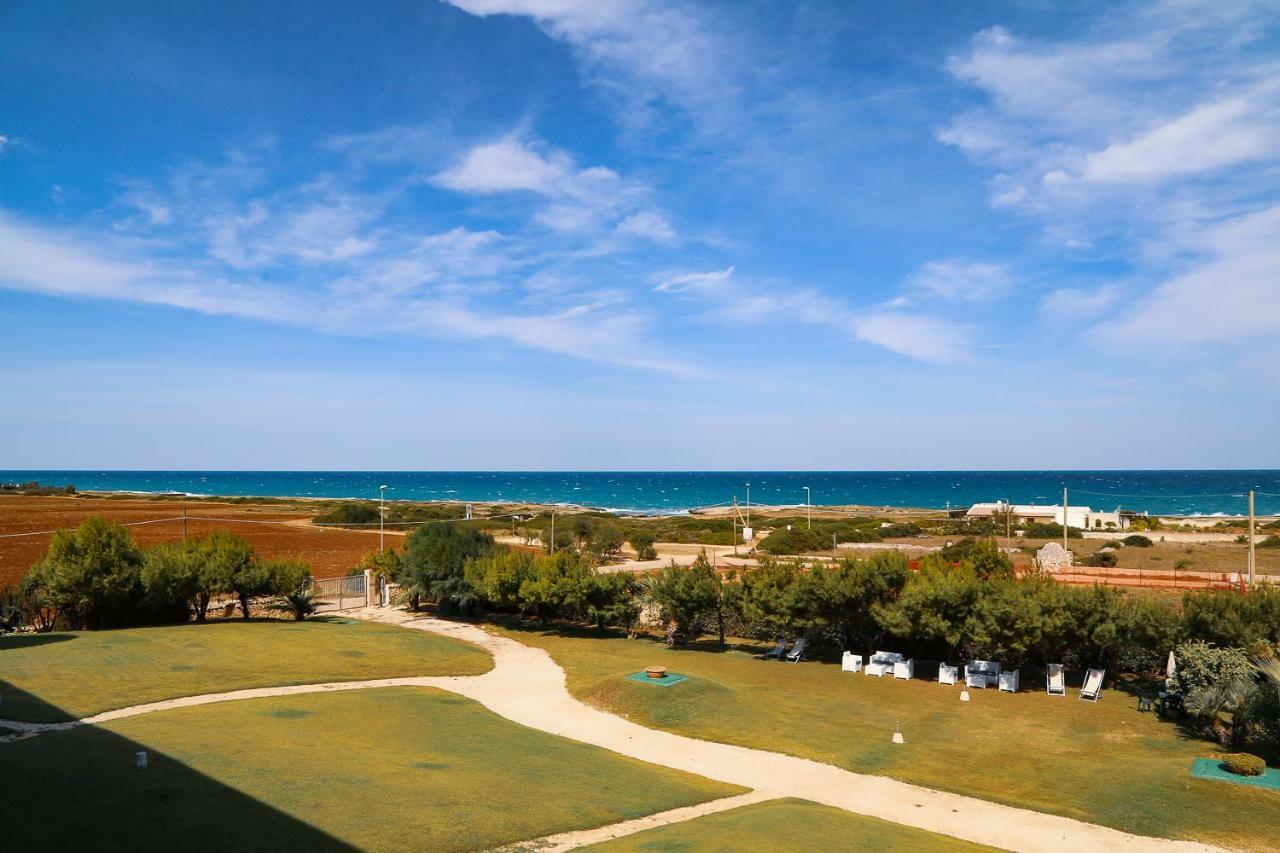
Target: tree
[
  {"x": 91, "y": 576},
  {"x": 433, "y": 565},
  {"x": 684, "y": 596},
  {"x": 644, "y": 545},
  {"x": 606, "y": 540},
  {"x": 559, "y": 585},
  {"x": 989, "y": 562},
  {"x": 171, "y": 573},
  {"x": 768, "y": 596},
  {"x": 498, "y": 577},
  {"x": 299, "y": 605},
  {"x": 613, "y": 599},
  {"x": 935, "y": 605},
  {"x": 851, "y": 595}
]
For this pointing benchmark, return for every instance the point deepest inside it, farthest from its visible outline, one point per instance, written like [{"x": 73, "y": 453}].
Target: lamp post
[
  {"x": 808, "y": 508},
  {"x": 382, "y": 515},
  {"x": 748, "y": 504}
]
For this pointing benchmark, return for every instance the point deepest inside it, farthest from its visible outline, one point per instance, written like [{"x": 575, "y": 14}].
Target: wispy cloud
[{"x": 959, "y": 280}]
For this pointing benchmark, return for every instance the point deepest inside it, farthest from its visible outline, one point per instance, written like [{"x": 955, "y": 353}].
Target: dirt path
[{"x": 528, "y": 687}]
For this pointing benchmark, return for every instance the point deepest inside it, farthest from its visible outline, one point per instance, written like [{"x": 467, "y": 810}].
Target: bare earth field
[{"x": 331, "y": 552}]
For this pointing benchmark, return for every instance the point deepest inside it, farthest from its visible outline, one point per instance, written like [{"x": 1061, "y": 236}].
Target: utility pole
[
  {"x": 808, "y": 507},
  {"x": 1251, "y": 555},
  {"x": 733, "y": 518},
  {"x": 749, "y": 505},
  {"x": 1064, "y": 518},
  {"x": 552, "y": 546},
  {"x": 382, "y": 515},
  {"x": 184, "y": 525}
]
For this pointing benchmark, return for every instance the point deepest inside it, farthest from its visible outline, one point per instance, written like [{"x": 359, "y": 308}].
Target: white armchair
[
  {"x": 904, "y": 669},
  {"x": 948, "y": 674},
  {"x": 1009, "y": 681},
  {"x": 849, "y": 662}
]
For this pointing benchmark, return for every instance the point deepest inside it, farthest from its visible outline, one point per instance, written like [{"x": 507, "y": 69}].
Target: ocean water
[{"x": 1173, "y": 492}]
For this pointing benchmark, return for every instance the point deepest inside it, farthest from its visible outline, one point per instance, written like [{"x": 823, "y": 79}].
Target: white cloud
[
  {"x": 1070, "y": 304},
  {"x": 649, "y": 225},
  {"x": 923, "y": 338},
  {"x": 1228, "y": 299},
  {"x": 38, "y": 260},
  {"x": 1211, "y": 136},
  {"x": 5, "y": 142},
  {"x": 509, "y": 165},
  {"x": 692, "y": 281},
  {"x": 958, "y": 280}
]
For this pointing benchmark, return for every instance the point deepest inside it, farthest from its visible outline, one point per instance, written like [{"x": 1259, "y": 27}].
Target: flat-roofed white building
[{"x": 1083, "y": 517}]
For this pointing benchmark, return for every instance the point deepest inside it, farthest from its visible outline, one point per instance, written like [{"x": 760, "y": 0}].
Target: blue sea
[{"x": 1166, "y": 492}]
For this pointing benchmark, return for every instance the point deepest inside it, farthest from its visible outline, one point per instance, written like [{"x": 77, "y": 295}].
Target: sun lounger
[
  {"x": 948, "y": 674},
  {"x": 797, "y": 651},
  {"x": 777, "y": 651},
  {"x": 982, "y": 674},
  {"x": 849, "y": 662},
  {"x": 1009, "y": 681},
  {"x": 904, "y": 669},
  {"x": 1091, "y": 690},
  {"x": 1056, "y": 685}
]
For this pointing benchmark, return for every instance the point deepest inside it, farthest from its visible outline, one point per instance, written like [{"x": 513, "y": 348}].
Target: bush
[
  {"x": 1052, "y": 530},
  {"x": 1137, "y": 540},
  {"x": 1272, "y": 541},
  {"x": 1102, "y": 559},
  {"x": 794, "y": 541},
  {"x": 350, "y": 513},
  {"x": 1244, "y": 764},
  {"x": 643, "y": 543}
]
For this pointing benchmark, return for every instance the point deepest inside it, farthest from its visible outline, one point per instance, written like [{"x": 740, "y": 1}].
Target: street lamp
[
  {"x": 748, "y": 504},
  {"x": 382, "y": 514},
  {"x": 808, "y": 507}
]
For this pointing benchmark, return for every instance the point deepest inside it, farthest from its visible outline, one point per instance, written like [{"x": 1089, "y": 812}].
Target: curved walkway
[{"x": 528, "y": 687}]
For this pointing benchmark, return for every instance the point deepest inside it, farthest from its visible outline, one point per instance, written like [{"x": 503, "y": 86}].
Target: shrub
[
  {"x": 350, "y": 513},
  {"x": 794, "y": 541},
  {"x": 1052, "y": 530},
  {"x": 643, "y": 543},
  {"x": 1137, "y": 540},
  {"x": 1272, "y": 541},
  {"x": 1244, "y": 764},
  {"x": 1102, "y": 559}
]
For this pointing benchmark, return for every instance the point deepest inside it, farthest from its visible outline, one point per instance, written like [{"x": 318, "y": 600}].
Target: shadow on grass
[
  {"x": 27, "y": 641},
  {"x": 80, "y": 790}
]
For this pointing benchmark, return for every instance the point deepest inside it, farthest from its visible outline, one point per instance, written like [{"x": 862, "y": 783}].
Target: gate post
[{"x": 368, "y": 587}]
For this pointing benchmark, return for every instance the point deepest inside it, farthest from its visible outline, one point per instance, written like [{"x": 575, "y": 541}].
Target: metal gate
[{"x": 340, "y": 593}]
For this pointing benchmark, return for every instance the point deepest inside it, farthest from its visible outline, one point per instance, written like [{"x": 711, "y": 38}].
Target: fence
[{"x": 341, "y": 593}]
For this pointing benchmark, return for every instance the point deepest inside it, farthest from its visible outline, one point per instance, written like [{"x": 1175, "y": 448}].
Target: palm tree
[
  {"x": 1227, "y": 697},
  {"x": 301, "y": 604}
]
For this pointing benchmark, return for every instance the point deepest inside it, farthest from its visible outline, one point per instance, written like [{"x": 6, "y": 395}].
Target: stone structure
[{"x": 1053, "y": 557}]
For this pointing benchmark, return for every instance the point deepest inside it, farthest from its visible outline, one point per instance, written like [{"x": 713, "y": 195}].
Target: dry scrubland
[{"x": 330, "y": 551}]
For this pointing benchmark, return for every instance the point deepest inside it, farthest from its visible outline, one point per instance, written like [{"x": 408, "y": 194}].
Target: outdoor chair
[
  {"x": 849, "y": 662},
  {"x": 1091, "y": 690},
  {"x": 904, "y": 669},
  {"x": 797, "y": 651},
  {"x": 1056, "y": 685},
  {"x": 777, "y": 651},
  {"x": 1009, "y": 681},
  {"x": 948, "y": 674}
]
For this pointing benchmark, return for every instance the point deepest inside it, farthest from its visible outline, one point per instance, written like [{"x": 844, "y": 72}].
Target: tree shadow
[
  {"x": 27, "y": 641},
  {"x": 81, "y": 790}
]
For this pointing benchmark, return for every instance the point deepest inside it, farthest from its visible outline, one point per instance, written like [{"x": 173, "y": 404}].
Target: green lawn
[
  {"x": 1103, "y": 763},
  {"x": 47, "y": 677},
  {"x": 781, "y": 826},
  {"x": 382, "y": 769}
]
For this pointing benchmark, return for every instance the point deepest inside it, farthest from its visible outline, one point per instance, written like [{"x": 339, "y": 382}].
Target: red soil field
[{"x": 330, "y": 552}]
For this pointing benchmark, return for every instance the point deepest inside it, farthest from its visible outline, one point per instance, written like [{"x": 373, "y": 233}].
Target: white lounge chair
[
  {"x": 797, "y": 651},
  {"x": 1091, "y": 690},
  {"x": 777, "y": 651},
  {"x": 1009, "y": 681},
  {"x": 948, "y": 674},
  {"x": 982, "y": 674},
  {"x": 849, "y": 662},
  {"x": 905, "y": 669},
  {"x": 1056, "y": 683}
]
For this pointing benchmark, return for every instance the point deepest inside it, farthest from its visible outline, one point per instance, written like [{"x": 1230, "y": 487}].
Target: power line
[{"x": 122, "y": 524}]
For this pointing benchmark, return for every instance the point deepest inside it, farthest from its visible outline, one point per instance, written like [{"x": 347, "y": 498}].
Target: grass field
[
  {"x": 46, "y": 677},
  {"x": 782, "y": 826},
  {"x": 1105, "y": 763},
  {"x": 384, "y": 769}
]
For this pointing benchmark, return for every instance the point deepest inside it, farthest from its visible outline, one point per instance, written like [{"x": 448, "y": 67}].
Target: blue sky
[{"x": 627, "y": 234}]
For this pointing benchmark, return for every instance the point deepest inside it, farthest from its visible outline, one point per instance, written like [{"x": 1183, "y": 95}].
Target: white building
[{"x": 1082, "y": 517}]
